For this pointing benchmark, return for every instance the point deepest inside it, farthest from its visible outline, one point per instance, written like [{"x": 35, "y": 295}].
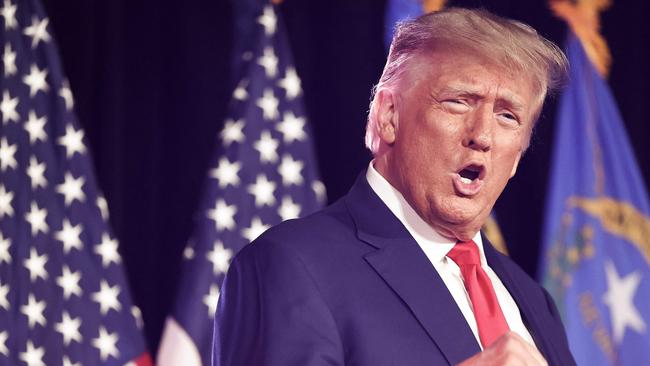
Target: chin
[{"x": 458, "y": 218}]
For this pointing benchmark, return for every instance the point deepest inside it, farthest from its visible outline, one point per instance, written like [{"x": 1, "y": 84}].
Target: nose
[{"x": 478, "y": 134}]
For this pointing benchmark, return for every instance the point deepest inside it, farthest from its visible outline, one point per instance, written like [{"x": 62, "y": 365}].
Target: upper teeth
[{"x": 465, "y": 180}]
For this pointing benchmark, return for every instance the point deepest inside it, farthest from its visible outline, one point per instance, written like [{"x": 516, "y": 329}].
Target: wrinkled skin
[{"x": 450, "y": 110}]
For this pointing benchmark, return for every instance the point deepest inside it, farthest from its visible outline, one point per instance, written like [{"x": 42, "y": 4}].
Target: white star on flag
[
  {"x": 226, "y": 173},
  {"x": 220, "y": 258},
  {"x": 38, "y": 31},
  {"x": 263, "y": 190},
  {"x": 69, "y": 282},
  {"x": 5, "y": 243},
  {"x": 5, "y": 202},
  {"x": 67, "y": 362},
  {"x": 269, "y": 62},
  {"x": 269, "y": 104},
  {"x": 105, "y": 343},
  {"x": 35, "y": 264},
  {"x": 36, "y": 80},
  {"x": 291, "y": 83},
  {"x": 35, "y": 127},
  {"x": 8, "y": 12},
  {"x": 36, "y": 172},
  {"x": 106, "y": 297},
  {"x": 33, "y": 310},
  {"x": 319, "y": 189},
  {"x": 256, "y": 229},
  {"x": 188, "y": 252},
  {"x": 66, "y": 94},
  {"x": 290, "y": 169},
  {"x": 3, "y": 343},
  {"x": 620, "y": 299},
  {"x": 72, "y": 141},
  {"x": 72, "y": 188},
  {"x": 107, "y": 249},
  {"x": 268, "y": 20},
  {"x": 36, "y": 218},
  {"x": 103, "y": 207},
  {"x": 137, "y": 315},
  {"x": 267, "y": 147},
  {"x": 232, "y": 132},
  {"x": 7, "y": 152},
  {"x": 33, "y": 356},
  {"x": 4, "y": 290},
  {"x": 240, "y": 92},
  {"x": 223, "y": 215},
  {"x": 288, "y": 209},
  {"x": 292, "y": 128},
  {"x": 9, "y": 60},
  {"x": 69, "y": 236},
  {"x": 69, "y": 328},
  {"x": 8, "y": 108},
  {"x": 211, "y": 300}
]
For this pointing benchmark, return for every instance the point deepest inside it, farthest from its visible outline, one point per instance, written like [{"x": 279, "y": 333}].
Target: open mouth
[
  {"x": 469, "y": 180},
  {"x": 470, "y": 173}
]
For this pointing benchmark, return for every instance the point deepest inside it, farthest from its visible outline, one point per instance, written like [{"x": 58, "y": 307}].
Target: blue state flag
[
  {"x": 263, "y": 172},
  {"x": 64, "y": 297},
  {"x": 596, "y": 260},
  {"x": 397, "y": 11}
]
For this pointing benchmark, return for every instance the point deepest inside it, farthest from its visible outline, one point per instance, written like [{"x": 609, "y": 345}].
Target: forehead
[{"x": 468, "y": 72}]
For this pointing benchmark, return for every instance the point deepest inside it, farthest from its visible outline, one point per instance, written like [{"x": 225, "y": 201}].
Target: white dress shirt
[{"x": 436, "y": 247}]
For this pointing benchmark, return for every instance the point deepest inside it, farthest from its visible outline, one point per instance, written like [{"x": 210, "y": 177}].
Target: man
[{"x": 396, "y": 272}]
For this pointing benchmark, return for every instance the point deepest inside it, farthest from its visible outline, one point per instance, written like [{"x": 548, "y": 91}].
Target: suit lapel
[
  {"x": 530, "y": 317},
  {"x": 400, "y": 262}
]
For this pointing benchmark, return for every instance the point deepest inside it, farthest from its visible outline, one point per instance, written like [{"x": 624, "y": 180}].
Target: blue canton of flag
[
  {"x": 64, "y": 299},
  {"x": 264, "y": 172},
  {"x": 597, "y": 230}
]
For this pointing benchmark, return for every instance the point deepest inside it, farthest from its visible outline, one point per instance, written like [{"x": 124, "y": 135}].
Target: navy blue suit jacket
[{"x": 350, "y": 286}]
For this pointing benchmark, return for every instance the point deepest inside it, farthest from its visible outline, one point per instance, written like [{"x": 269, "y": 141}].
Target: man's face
[{"x": 455, "y": 129}]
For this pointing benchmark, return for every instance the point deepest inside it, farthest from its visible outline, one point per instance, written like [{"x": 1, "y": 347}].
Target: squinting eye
[
  {"x": 455, "y": 101},
  {"x": 510, "y": 117},
  {"x": 456, "y": 105}
]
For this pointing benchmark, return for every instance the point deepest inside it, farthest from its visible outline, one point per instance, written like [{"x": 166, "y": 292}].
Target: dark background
[{"x": 152, "y": 80}]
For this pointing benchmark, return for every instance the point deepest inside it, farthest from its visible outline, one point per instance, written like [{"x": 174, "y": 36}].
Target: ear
[
  {"x": 387, "y": 116},
  {"x": 516, "y": 164}
]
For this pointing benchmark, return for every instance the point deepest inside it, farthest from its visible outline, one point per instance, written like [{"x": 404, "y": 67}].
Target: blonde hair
[{"x": 507, "y": 42}]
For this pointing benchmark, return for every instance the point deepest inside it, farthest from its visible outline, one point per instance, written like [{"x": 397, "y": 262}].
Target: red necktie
[{"x": 489, "y": 317}]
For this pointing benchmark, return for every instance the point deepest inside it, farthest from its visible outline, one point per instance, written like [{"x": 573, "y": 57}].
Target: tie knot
[{"x": 465, "y": 253}]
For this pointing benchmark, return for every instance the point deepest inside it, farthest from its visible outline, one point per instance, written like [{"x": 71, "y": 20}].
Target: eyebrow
[{"x": 507, "y": 98}]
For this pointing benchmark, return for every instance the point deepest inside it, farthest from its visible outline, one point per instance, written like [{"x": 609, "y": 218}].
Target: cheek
[{"x": 507, "y": 162}]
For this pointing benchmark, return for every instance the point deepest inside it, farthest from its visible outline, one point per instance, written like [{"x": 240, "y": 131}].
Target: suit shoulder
[
  {"x": 319, "y": 225},
  {"x": 321, "y": 229}
]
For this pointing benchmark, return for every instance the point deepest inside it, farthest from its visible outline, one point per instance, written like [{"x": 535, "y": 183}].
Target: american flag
[
  {"x": 64, "y": 299},
  {"x": 264, "y": 172}
]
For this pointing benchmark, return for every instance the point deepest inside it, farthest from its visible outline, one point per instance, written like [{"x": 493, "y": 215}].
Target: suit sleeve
[{"x": 271, "y": 313}]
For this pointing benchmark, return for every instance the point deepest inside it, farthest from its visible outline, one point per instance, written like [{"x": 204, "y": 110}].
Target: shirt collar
[{"x": 437, "y": 245}]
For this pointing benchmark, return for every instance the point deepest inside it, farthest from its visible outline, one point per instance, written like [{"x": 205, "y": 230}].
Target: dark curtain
[{"x": 152, "y": 81}]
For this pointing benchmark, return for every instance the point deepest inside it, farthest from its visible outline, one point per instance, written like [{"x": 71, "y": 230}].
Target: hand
[{"x": 509, "y": 350}]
